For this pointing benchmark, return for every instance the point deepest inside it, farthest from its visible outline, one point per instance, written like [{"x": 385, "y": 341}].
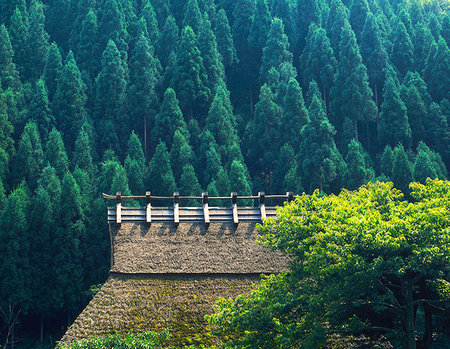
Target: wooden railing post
[
  {"x": 205, "y": 208},
  {"x": 235, "y": 209},
  {"x": 118, "y": 207},
  {"x": 176, "y": 208},
  {"x": 290, "y": 196},
  {"x": 262, "y": 204},
  {"x": 148, "y": 211}
]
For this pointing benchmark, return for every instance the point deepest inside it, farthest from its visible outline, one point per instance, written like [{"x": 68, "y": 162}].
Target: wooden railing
[{"x": 205, "y": 213}]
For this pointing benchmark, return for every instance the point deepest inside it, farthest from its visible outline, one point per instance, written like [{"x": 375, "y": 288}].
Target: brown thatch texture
[
  {"x": 137, "y": 303},
  {"x": 191, "y": 248}
]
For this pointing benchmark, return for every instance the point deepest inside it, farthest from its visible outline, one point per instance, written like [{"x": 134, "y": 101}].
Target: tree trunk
[
  {"x": 409, "y": 314},
  {"x": 12, "y": 336},
  {"x": 428, "y": 337},
  {"x": 42, "y": 328}
]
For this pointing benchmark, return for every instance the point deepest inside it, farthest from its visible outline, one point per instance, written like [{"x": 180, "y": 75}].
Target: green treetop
[
  {"x": 83, "y": 152},
  {"x": 276, "y": 50},
  {"x": 225, "y": 43},
  {"x": 181, "y": 154},
  {"x": 437, "y": 74},
  {"x": 149, "y": 15},
  {"x": 192, "y": 16},
  {"x": 52, "y": 69},
  {"x": 160, "y": 179},
  {"x": 239, "y": 182},
  {"x": 359, "y": 10},
  {"x": 38, "y": 39},
  {"x": 9, "y": 76},
  {"x": 417, "y": 112},
  {"x": 40, "y": 111},
  {"x": 19, "y": 32},
  {"x": 259, "y": 30},
  {"x": 422, "y": 40},
  {"x": 358, "y": 171},
  {"x": 169, "y": 119},
  {"x": 393, "y": 127},
  {"x": 167, "y": 41},
  {"x": 189, "y": 185},
  {"x": 337, "y": 19},
  {"x": 402, "y": 169},
  {"x": 402, "y": 55},
  {"x": 351, "y": 96},
  {"x": 55, "y": 153},
  {"x": 88, "y": 50}
]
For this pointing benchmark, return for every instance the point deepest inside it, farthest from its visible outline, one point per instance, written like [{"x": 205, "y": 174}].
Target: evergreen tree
[
  {"x": 417, "y": 112},
  {"x": 242, "y": 14},
  {"x": 82, "y": 154},
  {"x": 318, "y": 61},
  {"x": 28, "y": 162},
  {"x": 181, "y": 154},
  {"x": 52, "y": 70},
  {"x": 149, "y": 15},
  {"x": 285, "y": 162},
  {"x": 294, "y": 114},
  {"x": 110, "y": 97},
  {"x": 259, "y": 29},
  {"x": 189, "y": 184},
  {"x": 358, "y": 172},
  {"x": 222, "y": 182},
  {"x": 422, "y": 40},
  {"x": 69, "y": 101},
  {"x": 359, "y": 10},
  {"x": 276, "y": 50},
  {"x": 192, "y": 16},
  {"x": 351, "y": 96},
  {"x": 424, "y": 167},
  {"x": 438, "y": 66},
  {"x": 88, "y": 53},
  {"x": 39, "y": 111},
  {"x": 9, "y": 76},
  {"x": 55, "y": 153},
  {"x": 337, "y": 20},
  {"x": 264, "y": 134},
  {"x": 437, "y": 131},
  {"x": 374, "y": 56},
  {"x": 119, "y": 182},
  {"x": 144, "y": 76},
  {"x": 160, "y": 179},
  {"x": 169, "y": 119},
  {"x": 212, "y": 164},
  {"x": 211, "y": 56},
  {"x": 239, "y": 182},
  {"x": 225, "y": 44},
  {"x": 190, "y": 77},
  {"x": 284, "y": 9},
  {"x": 445, "y": 32},
  {"x": 307, "y": 12},
  {"x": 402, "y": 170},
  {"x": 19, "y": 32},
  {"x": 167, "y": 41},
  {"x": 38, "y": 39},
  {"x": 320, "y": 161},
  {"x": 393, "y": 127},
  {"x": 135, "y": 164},
  {"x": 386, "y": 161},
  {"x": 402, "y": 55}
]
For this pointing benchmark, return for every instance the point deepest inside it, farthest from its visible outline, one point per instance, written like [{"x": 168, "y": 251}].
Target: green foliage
[
  {"x": 225, "y": 44},
  {"x": 356, "y": 259},
  {"x": 160, "y": 179},
  {"x": 402, "y": 50}
]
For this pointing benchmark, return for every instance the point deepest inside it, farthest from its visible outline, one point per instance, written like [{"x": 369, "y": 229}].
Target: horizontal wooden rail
[{"x": 288, "y": 196}]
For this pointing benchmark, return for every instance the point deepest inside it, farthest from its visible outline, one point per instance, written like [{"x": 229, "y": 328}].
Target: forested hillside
[{"x": 199, "y": 95}]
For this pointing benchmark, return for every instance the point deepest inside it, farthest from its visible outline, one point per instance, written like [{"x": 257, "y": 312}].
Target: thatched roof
[{"x": 191, "y": 248}]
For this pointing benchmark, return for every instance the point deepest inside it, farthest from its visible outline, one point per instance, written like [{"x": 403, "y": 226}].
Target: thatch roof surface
[
  {"x": 191, "y": 248},
  {"x": 144, "y": 302}
]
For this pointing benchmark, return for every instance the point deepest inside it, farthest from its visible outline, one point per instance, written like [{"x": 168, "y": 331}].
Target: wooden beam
[
  {"x": 205, "y": 208},
  {"x": 176, "y": 208},
  {"x": 262, "y": 204},
  {"x": 290, "y": 196},
  {"x": 118, "y": 207},
  {"x": 148, "y": 211},
  {"x": 235, "y": 209}
]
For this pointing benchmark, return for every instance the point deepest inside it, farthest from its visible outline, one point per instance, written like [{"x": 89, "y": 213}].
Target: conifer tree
[
  {"x": 38, "y": 39},
  {"x": 351, "y": 95},
  {"x": 190, "y": 77},
  {"x": 445, "y": 32},
  {"x": 193, "y": 16},
  {"x": 374, "y": 56},
  {"x": 145, "y": 74},
  {"x": 318, "y": 61},
  {"x": 438, "y": 69},
  {"x": 55, "y": 153},
  {"x": 9, "y": 76},
  {"x": 393, "y": 127},
  {"x": 189, "y": 185},
  {"x": 149, "y": 15},
  {"x": 82, "y": 154},
  {"x": 239, "y": 182},
  {"x": 225, "y": 44},
  {"x": 39, "y": 111},
  {"x": 69, "y": 101},
  {"x": 52, "y": 70},
  {"x": 284, "y": 164},
  {"x": 28, "y": 162},
  {"x": 402, "y": 170},
  {"x": 320, "y": 161},
  {"x": 181, "y": 154},
  {"x": 88, "y": 50},
  {"x": 414, "y": 79},
  {"x": 359, "y": 10},
  {"x": 110, "y": 97},
  {"x": 416, "y": 111},
  {"x": 436, "y": 160},
  {"x": 284, "y": 10},
  {"x": 276, "y": 50},
  {"x": 259, "y": 29},
  {"x": 294, "y": 114},
  {"x": 211, "y": 56},
  {"x": 160, "y": 179},
  {"x": 423, "y": 167},
  {"x": 167, "y": 40},
  {"x": 402, "y": 55},
  {"x": 337, "y": 19},
  {"x": 437, "y": 131},
  {"x": 119, "y": 181},
  {"x": 358, "y": 173},
  {"x": 307, "y": 12},
  {"x": 386, "y": 161},
  {"x": 265, "y": 134},
  {"x": 212, "y": 164},
  {"x": 422, "y": 40},
  {"x": 169, "y": 119},
  {"x": 19, "y": 32}
]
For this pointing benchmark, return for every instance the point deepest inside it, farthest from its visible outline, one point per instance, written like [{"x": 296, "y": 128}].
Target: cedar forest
[{"x": 198, "y": 95}]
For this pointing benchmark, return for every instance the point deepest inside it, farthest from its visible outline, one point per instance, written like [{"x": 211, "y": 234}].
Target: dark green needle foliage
[
  {"x": 337, "y": 19},
  {"x": 243, "y": 15},
  {"x": 417, "y": 112},
  {"x": 38, "y": 39},
  {"x": 167, "y": 40},
  {"x": 439, "y": 71},
  {"x": 189, "y": 185},
  {"x": 181, "y": 154},
  {"x": 225, "y": 43},
  {"x": 193, "y": 16},
  {"x": 259, "y": 30},
  {"x": 55, "y": 153},
  {"x": 19, "y": 32},
  {"x": 87, "y": 45},
  {"x": 9, "y": 76},
  {"x": 83, "y": 152},
  {"x": 402, "y": 169},
  {"x": 52, "y": 69},
  {"x": 393, "y": 127},
  {"x": 358, "y": 171},
  {"x": 160, "y": 179},
  {"x": 239, "y": 182},
  {"x": 422, "y": 40},
  {"x": 402, "y": 55},
  {"x": 149, "y": 15},
  {"x": 40, "y": 111},
  {"x": 286, "y": 162},
  {"x": 359, "y": 10}
]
